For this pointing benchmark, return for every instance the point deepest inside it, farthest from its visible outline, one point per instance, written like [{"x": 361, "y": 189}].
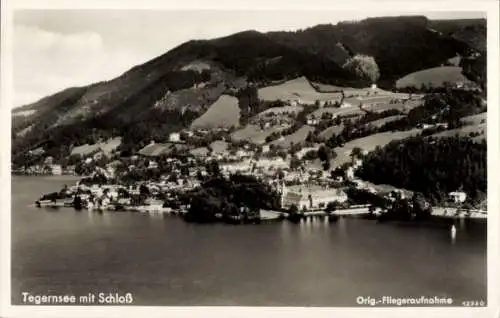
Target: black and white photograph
[{"x": 224, "y": 157}]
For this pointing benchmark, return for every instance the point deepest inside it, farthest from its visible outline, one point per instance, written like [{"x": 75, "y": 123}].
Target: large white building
[{"x": 311, "y": 198}]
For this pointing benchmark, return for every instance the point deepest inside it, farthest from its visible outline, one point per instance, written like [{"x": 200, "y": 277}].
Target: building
[
  {"x": 98, "y": 155},
  {"x": 110, "y": 171},
  {"x": 152, "y": 164},
  {"x": 242, "y": 167},
  {"x": 174, "y": 137},
  {"x": 56, "y": 170},
  {"x": 70, "y": 170},
  {"x": 349, "y": 174},
  {"x": 312, "y": 121},
  {"x": 312, "y": 199},
  {"x": 271, "y": 163},
  {"x": 457, "y": 196},
  {"x": 49, "y": 160}
]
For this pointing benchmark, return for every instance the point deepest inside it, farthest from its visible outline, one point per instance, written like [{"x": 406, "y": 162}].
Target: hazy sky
[{"x": 56, "y": 49}]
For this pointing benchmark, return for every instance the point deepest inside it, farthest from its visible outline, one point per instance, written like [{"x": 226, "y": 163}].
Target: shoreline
[{"x": 353, "y": 211}]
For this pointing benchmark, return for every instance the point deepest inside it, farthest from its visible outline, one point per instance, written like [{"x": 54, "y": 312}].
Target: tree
[
  {"x": 185, "y": 170},
  {"x": 356, "y": 152},
  {"x": 326, "y": 165},
  {"x": 331, "y": 206},
  {"x": 363, "y": 66},
  {"x": 324, "y": 153},
  {"x": 199, "y": 175},
  {"x": 295, "y": 163},
  {"x": 143, "y": 190},
  {"x": 293, "y": 209}
]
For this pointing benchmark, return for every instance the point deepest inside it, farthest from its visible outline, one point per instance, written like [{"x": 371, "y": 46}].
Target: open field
[
  {"x": 296, "y": 89},
  {"x": 380, "y": 122},
  {"x": 369, "y": 143},
  {"x": 254, "y": 134},
  {"x": 23, "y": 132},
  {"x": 386, "y": 188},
  {"x": 326, "y": 88},
  {"x": 281, "y": 110},
  {"x": 201, "y": 151},
  {"x": 465, "y": 131},
  {"x": 219, "y": 146},
  {"x": 225, "y": 112},
  {"x": 157, "y": 149},
  {"x": 23, "y": 113},
  {"x": 345, "y": 111},
  {"x": 330, "y": 131},
  {"x": 435, "y": 76},
  {"x": 297, "y": 137},
  {"x": 368, "y": 100},
  {"x": 198, "y": 66},
  {"x": 475, "y": 119},
  {"x": 106, "y": 147}
]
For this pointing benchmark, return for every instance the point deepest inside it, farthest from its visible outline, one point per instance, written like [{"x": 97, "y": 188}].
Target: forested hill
[{"x": 171, "y": 90}]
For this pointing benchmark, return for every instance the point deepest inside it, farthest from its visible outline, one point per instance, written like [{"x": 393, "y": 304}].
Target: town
[{"x": 160, "y": 177}]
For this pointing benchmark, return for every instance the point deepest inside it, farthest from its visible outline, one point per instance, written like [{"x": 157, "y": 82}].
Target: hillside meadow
[
  {"x": 225, "y": 113},
  {"x": 435, "y": 77}
]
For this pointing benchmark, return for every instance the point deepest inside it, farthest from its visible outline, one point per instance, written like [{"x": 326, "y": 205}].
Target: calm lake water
[{"x": 162, "y": 260}]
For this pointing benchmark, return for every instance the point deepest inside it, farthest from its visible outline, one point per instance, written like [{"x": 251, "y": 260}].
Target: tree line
[{"x": 432, "y": 166}]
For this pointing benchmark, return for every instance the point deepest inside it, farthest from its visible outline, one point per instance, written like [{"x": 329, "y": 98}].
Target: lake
[{"x": 162, "y": 260}]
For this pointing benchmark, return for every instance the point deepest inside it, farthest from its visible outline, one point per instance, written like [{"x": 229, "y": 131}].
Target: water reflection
[{"x": 341, "y": 224}]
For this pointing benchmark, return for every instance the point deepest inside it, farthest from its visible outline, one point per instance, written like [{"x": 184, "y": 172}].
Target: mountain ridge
[{"x": 168, "y": 98}]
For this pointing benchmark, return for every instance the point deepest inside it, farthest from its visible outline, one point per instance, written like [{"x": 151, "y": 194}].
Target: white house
[
  {"x": 152, "y": 164},
  {"x": 349, "y": 174},
  {"x": 56, "y": 170},
  {"x": 174, "y": 137},
  {"x": 110, "y": 170},
  {"x": 457, "y": 196}
]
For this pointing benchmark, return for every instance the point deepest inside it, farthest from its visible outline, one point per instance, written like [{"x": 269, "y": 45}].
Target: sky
[{"x": 57, "y": 49}]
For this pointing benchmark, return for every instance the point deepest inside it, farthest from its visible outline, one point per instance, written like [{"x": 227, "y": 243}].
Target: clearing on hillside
[
  {"x": 224, "y": 113},
  {"x": 330, "y": 131},
  {"x": 219, "y": 147},
  {"x": 23, "y": 113},
  {"x": 297, "y": 137},
  {"x": 254, "y": 134},
  {"x": 369, "y": 143},
  {"x": 281, "y": 110},
  {"x": 199, "y": 152},
  {"x": 197, "y": 66},
  {"x": 297, "y": 89},
  {"x": 435, "y": 77},
  {"x": 465, "y": 132},
  {"x": 345, "y": 111},
  {"x": 382, "y": 121},
  {"x": 106, "y": 147},
  {"x": 475, "y": 119}
]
